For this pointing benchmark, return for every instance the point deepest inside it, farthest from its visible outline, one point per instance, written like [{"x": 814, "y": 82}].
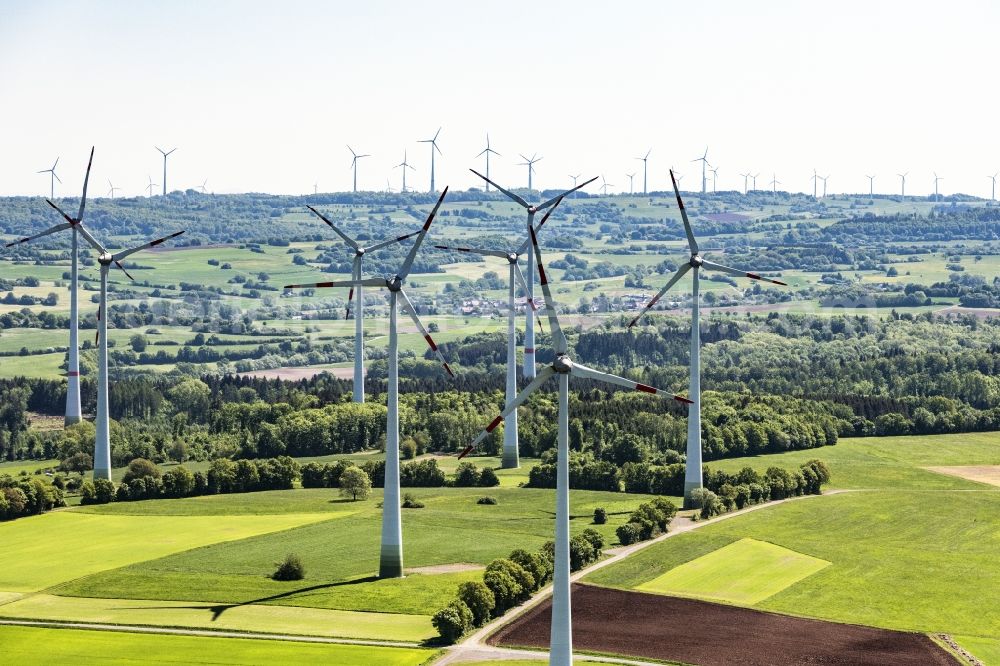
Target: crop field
[
  {"x": 23, "y": 645},
  {"x": 908, "y": 548}
]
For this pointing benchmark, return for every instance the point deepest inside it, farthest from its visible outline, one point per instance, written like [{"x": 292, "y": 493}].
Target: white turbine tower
[
  {"x": 774, "y": 183},
  {"x": 404, "y": 165},
  {"x": 391, "y": 554},
  {"x": 937, "y": 197},
  {"x": 165, "y": 155},
  {"x": 73, "y": 414},
  {"x": 354, "y": 165},
  {"x": 692, "y": 474},
  {"x": 645, "y": 161},
  {"x": 434, "y": 146},
  {"x": 815, "y": 178},
  {"x": 112, "y": 189},
  {"x": 357, "y": 293},
  {"x": 902, "y": 189},
  {"x": 754, "y": 179},
  {"x": 561, "y": 637},
  {"x": 510, "y": 457},
  {"x": 715, "y": 177},
  {"x": 630, "y": 177},
  {"x": 871, "y": 187},
  {"x": 52, "y": 179},
  {"x": 746, "y": 176},
  {"x": 704, "y": 165},
  {"x": 993, "y": 192},
  {"x": 824, "y": 179},
  {"x": 149, "y": 188},
  {"x": 528, "y": 371},
  {"x": 531, "y": 165},
  {"x": 486, "y": 151},
  {"x": 605, "y": 185}
]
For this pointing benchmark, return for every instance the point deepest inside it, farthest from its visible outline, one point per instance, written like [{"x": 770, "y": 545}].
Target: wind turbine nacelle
[
  {"x": 696, "y": 261},
  {"x": 105, "y": 259}
]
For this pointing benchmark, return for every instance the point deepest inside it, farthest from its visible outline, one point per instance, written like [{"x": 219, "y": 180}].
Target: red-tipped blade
[{"x": 127, "y": 274}]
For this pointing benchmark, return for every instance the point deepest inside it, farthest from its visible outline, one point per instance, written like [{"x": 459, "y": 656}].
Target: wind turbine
[
  {"x": 745, "y": 177},
  {"x": 754, "y": 179},
  {"x": 774, "y": 183},
  {"x": 531, "y": 165},
  {"x": 52, "y": 179},
  {"x": 937, "y": 197},
  {"x": 715, "y": 177},
  {"x": 359, "y": 303},
  {"x": 902, "y": 191},
  {"x": 528, "y": 370},
  {"x": 165, "y": 155},
  {"x": 434, "y": 146},
  {"x": 574, "y": 179},
  {"x": 561, "y": 637},
  {"x": 605, "y": 185},
  {"x": 630, "y": 176},
  {"x": 405, "y": 165},
  {"x": 354, "y": 166},
  {"x": 73, "y": 366},
  {"x": 391, "y": 554},
  {"x": 814, "y": 179},
  {"x": 112, "y": 189},
  {"x": 510, "y": 441},
  {"x": 203, "y": 187},
  {"x": 824, "y": 179},
  {"x": 645, "y": 160},
  {"x": 704, "y": 164},
  {"x": 871, "y": 187},
  {"x": 993, "y": 194},
  {"x": 149, "y": 188},
  {"x": 486, "y": 151},
  {"x": 692, "y": 474}
]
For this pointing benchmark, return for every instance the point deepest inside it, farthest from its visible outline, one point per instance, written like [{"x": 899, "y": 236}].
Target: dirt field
[
  {"x": 697, "y": 632},
  {"x": 292, "y": 374},
  {"x": 982, "y": 473}
]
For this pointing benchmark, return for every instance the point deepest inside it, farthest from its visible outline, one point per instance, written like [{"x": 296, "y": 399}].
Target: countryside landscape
[{"x": 469, "y": 409}]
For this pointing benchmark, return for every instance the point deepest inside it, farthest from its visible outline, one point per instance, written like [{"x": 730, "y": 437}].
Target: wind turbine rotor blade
[
  {"x": 524, "y": 245},
  {"x": 56, "y": 176},
  {"x": 558, "y": 337},
  {"x": 89, "y": 238},
  {"x": 472, "y": 250},
  {"x": 127, "y": 274},
  {"x": 692, "y": 243},
  {"x": 398, "y": 239},
  {"x": 712, "y": 266},
  {"x": 61, "y": 212},
  {"x": 482, "y": 152},
  {"x": 524, "y": 287},
  {"x": 339, "y": 284},
  {"x": 350, "y": 298},
  {"x": 507, "y": 192},
  {"x": 677, "y": 276},
  {"x": 405, "y": 270},
  {"x": 121, "y": 255},
  {"x": 340, "y": 233},
  {"x": 589, "y": 373},
  {"x": 423, "y": 331},
  {"x": 86, "y": 180},
  {"x": 564, "y": 194},
  {"x": 518, "y": 400},
  {"x": 51, "y": 230}
]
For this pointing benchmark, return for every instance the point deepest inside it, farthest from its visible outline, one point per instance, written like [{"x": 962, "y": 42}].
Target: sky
[{"x": 266, "y": 96}]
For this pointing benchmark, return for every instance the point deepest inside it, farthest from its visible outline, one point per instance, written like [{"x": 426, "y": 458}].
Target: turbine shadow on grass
[{"x": 218, "y": 609}]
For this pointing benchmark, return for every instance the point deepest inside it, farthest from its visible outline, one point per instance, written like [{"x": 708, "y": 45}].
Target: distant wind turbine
[
  {"x": 746, "y": 177},
  {"x": 645, "y": 161},
  {"x": 52, "y": 179},
  {"x": 165, "y": 155},
  {"x": 704, "y": 165},
  {"x": 203, "y": 187},
  {"x": 993, "y": 194},
  {"x": 815, "y": 178},
  {"x": 753, "y": 179},
  {"x": 871, "y": 187},
  {"x": 902, "y": 176},
  {"x": 112, "y": 189},
  {"x": 715, "y": 177},
  {"x": 434, "y": 146},
  {"x": 605, "y": 185},
  {"x": 937, "y": 197},
  {"x": 774, "y": 183},
  {"x": 824, "y": 179},
  {"x": 149, "y": 188},
  {"x": 405, "y": 165},
  {"x": 354, "y": 165},
  {"x": 531, "y": 165},
  {"x": 486, "y": 151},
  {"x": 630, "y": 176}
]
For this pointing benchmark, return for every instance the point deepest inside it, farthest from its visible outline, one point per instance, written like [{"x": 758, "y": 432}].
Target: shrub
[
  {"x": 467, "y": 475},
  {"x": 140, "y": 468},
  {"x": 354, "y": 483},
  {"x": 486, "y": 499},
  {"x": 510, "y": 583},
  {"x": 290, "y": 569},
  {"x": 78, "y": 462},
  {"x": 479, "y": 599},
  {"x": 313, "y": 475},
  {"x": 537, "y": 564},
  {"x": 628, "y": 533},
  {"x": 595, "y": 538},
  {"x": 488, "y": 478},
  {"x": 452, "y": 621},
  {"x": 178, "y": 482},
  {"x": 105, "y": 491},
  {"x": 600, "y": 516},
  {"x": 581, "y": 552},
  {"x": 710, "y": 503},
  {"x": 411, "y": 502}
]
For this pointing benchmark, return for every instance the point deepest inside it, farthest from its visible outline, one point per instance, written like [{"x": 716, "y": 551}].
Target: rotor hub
[
  {"x": 532, "y": 209},
  {"x": 512, "y": 258},
  {"x": 696, "y": 261},
  {"x": 360, "y": 252},
  {"x": 563, "y": 364},
  {"x": 105, "y": 259},
  {"x": 394, "y": 284}
]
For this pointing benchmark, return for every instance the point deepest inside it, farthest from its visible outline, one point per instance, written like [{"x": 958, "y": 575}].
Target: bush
[
  {"x": 178, "y": 482},
  {"x": 628, "y": 533},
  {"x": 488, "y": 478},
  {"x": 486, "y": 499},
  {"x": 411, "y": 502},
  {"x": 290, "y": 569},
  {"x": 452, "y": 621},
  {"x": 710, "y": 503},
  {"x": 479, "y": 599},
  {"x": 313, "y": 475},
  {"x": 467, "y": 475},
  {"x": 600, "y": 516},
  {"x": 595, "y": 538},
  {"x": 140, "y": 468},
  {"x": 78, "y": 462},
  {"x": 537, "y": 564},
  {"x": 581, "y": 552}
]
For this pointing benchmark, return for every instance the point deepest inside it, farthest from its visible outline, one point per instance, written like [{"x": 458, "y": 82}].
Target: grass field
[
  {"x": 31, "y": 645},
  {"x": 744, "y": 572},
  {"x": 29, "y": 466},
  {"x": 987, "y": 650},
  {"x": 909, "y": 549}
]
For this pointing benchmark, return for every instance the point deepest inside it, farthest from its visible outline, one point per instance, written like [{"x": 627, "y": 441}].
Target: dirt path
[{"x": 475, "y": 648}]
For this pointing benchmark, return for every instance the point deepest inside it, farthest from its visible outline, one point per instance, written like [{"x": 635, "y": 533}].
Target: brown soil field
[
  {"x": 982, "y": 473},
  {"x": 292, "y": 374},
  {"x": 654, "y": 626}
]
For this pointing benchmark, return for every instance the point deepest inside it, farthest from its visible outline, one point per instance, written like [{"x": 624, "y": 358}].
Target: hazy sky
[{"x": 263, "y": 96}]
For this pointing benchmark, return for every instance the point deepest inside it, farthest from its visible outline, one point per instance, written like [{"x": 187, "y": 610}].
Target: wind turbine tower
[
  {"x": 630, "y": 176},
  {"x": 937, "y": 197},
  {"x": 902, "y": 176},
  {"x": 753, "y": 178},
  {"x": 693, "y": 473},
  {"x": 814, "y": 179},
  {"x": 993, "y": 193},
  {"x": 354, "y": 165},
  {"x": 531, "y": 165},
  {"x": 871, "y": 187},
  {"x": 52, "y": 179},
  {"x": 165, "y": 155},
  {"x": 645, "y": 161},
  {"x": 356, "y": 294},
  {"x": 824, "y": 179},
  {"x": 605, "y": 185},
  {"x": 405, "y": 165},
  {"x": 149, "y": 188},
  {"x": 434, "y": 146},
  {"x": 112, "y": 189},
  {"x": 510, "y": 440},
  {"x": 715, "y": 177},
  {"x": 391, "y": 554},
  {"x": 486, "y": 151},
  {"x": 774, "y": 183},
  {"x": 563, "y": 367},
  {"x": 746, "y": 176},
  {"x": 528, "y": 370},
  {"x": 704, "y": 165}
]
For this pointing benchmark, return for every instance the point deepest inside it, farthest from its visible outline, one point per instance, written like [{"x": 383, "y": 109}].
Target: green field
[
  {"x": 31, "y": 645},
  {"x": 909, "y": 549},
  {"x": 744, "y": 572}
]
